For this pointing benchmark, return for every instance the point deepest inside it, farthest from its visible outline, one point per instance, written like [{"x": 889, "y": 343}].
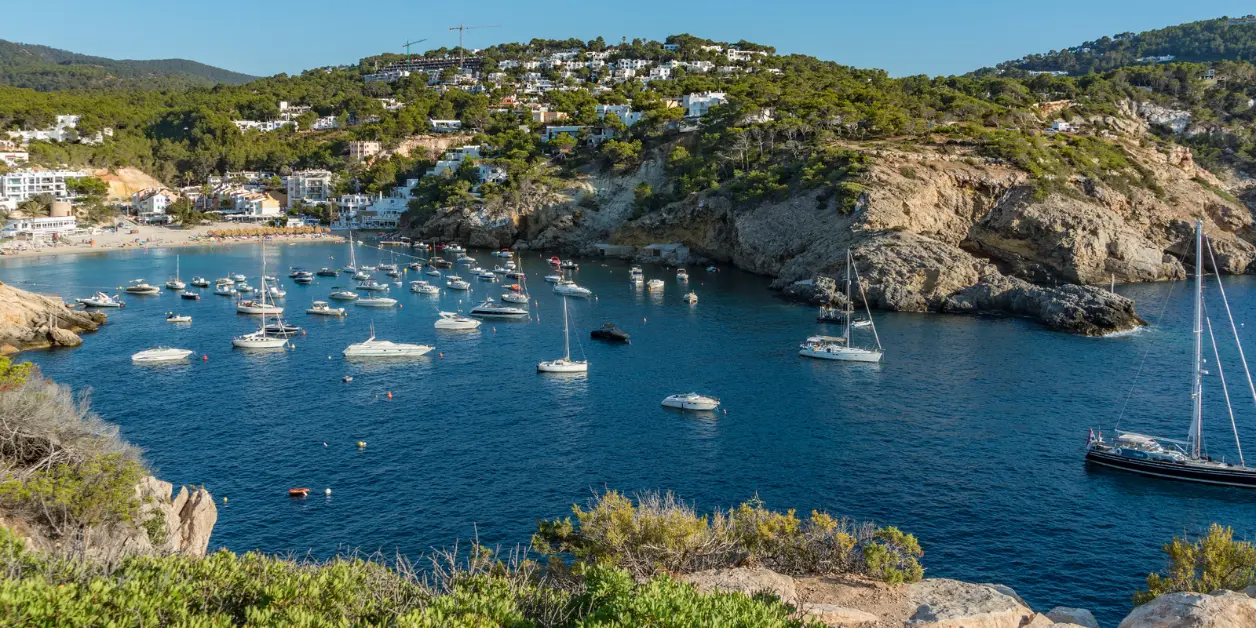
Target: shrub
[{"x": 1212, "y": 562}]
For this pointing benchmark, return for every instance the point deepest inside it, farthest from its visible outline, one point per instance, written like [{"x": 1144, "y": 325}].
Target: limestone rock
[
  {"x": 839, "y": 616},
  {"x": 58, "y": 337},
  {"x": 1078, "y": 616},
  {"x": 943, "y": 603},
  {"x": 33, "y": 321},
  {"x": 196, "y": 522},
  {"x": 744, "y": 580},
  {"x": 1224, "y": 609},
  {"x": 188, "y": 519}
]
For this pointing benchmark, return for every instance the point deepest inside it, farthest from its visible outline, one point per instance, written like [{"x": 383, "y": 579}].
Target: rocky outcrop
[
  {"x": 942, "y": 603},
  {"x": 744, "y": 580},
  {"x": 1072, "y": 616},
  {"x": 1224, "y": 609},
  {"x": 188, "y": 518},
  {"x": 35, "y": 321}
]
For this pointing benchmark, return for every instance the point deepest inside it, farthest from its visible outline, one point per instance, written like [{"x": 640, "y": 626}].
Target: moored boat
[
  {"x": 321, "y": 308},
  {"x": 161, "y": 354},
  {"x": 691, "y": 401}
]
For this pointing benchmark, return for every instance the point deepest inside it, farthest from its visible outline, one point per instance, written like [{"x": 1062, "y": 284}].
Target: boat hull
[
  {"x": 842, "y": 355},
  {"x": 562, "y": 366},
  {"x": 1225, "y": 476}
]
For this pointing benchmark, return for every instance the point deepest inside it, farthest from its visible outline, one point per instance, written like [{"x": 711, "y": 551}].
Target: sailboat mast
[
  {"x": 566, "y": 339},
  {"x": 1197, "y": 387},
  {"x": 850, "y": 305}
]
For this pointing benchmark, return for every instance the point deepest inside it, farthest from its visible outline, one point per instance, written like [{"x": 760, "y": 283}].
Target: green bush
[{"x": 1212, "y": 562}]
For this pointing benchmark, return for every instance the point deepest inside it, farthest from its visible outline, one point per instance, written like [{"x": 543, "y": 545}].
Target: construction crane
[
  {"x": 462, "y": 28},
  {"x": 407, "y": 45}
]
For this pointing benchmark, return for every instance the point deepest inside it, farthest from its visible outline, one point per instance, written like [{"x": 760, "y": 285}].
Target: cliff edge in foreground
[{"x": 34, "y": 321}]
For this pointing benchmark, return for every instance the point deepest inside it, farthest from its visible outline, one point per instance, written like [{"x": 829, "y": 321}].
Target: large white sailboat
[
  {"x": 564, "y": 364},
  {"x": 840, "y": 347},
  {"x": 372, "y": 348},
  {"x": 352, "y": 268},
  {"x": 176, "y": 283},
  {"x": 260, "y": 339}
]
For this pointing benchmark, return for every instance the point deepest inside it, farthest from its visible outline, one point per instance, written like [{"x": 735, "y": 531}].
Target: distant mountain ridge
[
  {"x": 44, "y": 68},
  {"x": 1222, "y": 39}
]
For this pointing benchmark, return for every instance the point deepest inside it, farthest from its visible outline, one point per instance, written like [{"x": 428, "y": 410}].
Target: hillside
[
  {"x": 1222, "y": 39},
  {"x": 45, "y": 69}
]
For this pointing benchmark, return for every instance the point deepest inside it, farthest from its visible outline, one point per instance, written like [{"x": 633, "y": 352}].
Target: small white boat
[
  {"x": 139, "y": 286},
  {"x": 161, "y": 354},
  {"x": 487, "y": 276},
  {"x": 690, "y": 297},
  {"x": 503, "y": 253},
  {"x": 200, "y": 282},
  {"x": 515, "y": 297},
  {"x": 454, "y": 282},
  {"x": 321, "y": 308},
  {"x": 276, "y": 292},
  {"x": 553, "y": 278},
  {"x": 423, "y": 287},
  {"x": 259, "y": 340},
  {"x": 691, "y": 401},
  {"x": 454, "y": 321},
  {"x": 498, "y": 270},
  {"x": 343, "y": 295},
  {"x": 564, "y": 364},
  {"x": 432, "y": 273},
  {"x": 375, "y": 302},
  {"x": 244, "y": 287},
  {"x": 237, "y": 277},
  {"x": 257, "y": 307},
  {"x": 682, "y": 275},
  {"x": 369, "y": 269},
  {"x": 171, "y": 317},
  {"x": 454, "y": 248},
  {"x": 655, "y": 285},
  {"x": 362, "y": 275},
  {"x": 492, "y": 309},
  {"x": 372, "y": 286},
  {"x": 372, "y": 348},
  {"x": 569, "y": 288},
  {"x": 475, "y": 270},
  {"x": 465, "y": 259},
  {"x": 225, "y": 290},
  {"x": 224, "y": 281},
  {"x": 712, "y": 269},
  {"x": 861, "y": 323},
  {"x": 176, "y": 283},
  {"x": 101, "y": 299}
]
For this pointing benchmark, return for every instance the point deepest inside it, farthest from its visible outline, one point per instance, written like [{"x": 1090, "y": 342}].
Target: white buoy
[{"x": 327, "y": 491}]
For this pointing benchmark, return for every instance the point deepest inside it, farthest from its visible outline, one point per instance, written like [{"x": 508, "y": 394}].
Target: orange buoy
[
  {"x": 390, "y": 394},
  {"x": 204, "y": 358},
  {"x": 302, "y": 332},
  {"x": 440, "y": 355},
  {"x": 298, "y": 492}
]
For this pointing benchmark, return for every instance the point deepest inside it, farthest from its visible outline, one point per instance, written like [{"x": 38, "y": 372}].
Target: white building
[
  {"x": 311, "y": 186},
  {"x": 20, "y": 185},
  {"x": 698, "y": 105},
  {"x": 1060, "y": 126},
  {"x": 700, "y": 66},
  {"x": 349, "y": 209},
  {"x": 633, "y": 64},
  {"x": 326, "y": 123},
  {"x": 362, "y": 150},
  {"x": 623, "y": 112},
  {"x": 14, "y": 157},
  {"x": 62, "y": 130},
  {"x": 453, "y": 158},
  {"x": 744, "y": 55},
  {"x": 263, "y": 126},
  {"x": 150, "y": 205},
  {"x": 445, "y": 126},
  {"x": 387, "y": 76},
  {"x": 660, "y": 74},
  {"x": 42, "y": 227}
]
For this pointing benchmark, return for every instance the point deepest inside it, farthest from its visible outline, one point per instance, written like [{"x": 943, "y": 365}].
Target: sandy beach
[{"x": 147, "y": 237}]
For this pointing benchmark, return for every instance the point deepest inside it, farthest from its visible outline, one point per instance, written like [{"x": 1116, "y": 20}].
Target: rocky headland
[{"x": 34, "y": 321}]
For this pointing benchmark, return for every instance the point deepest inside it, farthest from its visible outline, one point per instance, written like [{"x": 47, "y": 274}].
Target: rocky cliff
[{"x": 34, "y": 321}]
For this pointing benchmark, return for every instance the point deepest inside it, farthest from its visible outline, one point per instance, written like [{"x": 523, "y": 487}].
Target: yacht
[
  {"x": 569, "y": 288},
  {"x": 259, "y": 306},
  {"x": 372, "y": 348},
  {"x": 609, "y": 332},
  {"x": 375, "y": 302},
  {"x": 370, "y": 285},
  {"x": 655, "y": 285},
  {"x": 840, "y": 347},
  {"x": 190, "y": 296},
  {"x": 387, "y": 268},
  {"x": 295, "y": 272},
  {"x": 342, "y": 294},
  {"x": 161, "y": 354},
  {"x": 492, "y": 309},
  {"x": 415, "y": 265},
  {"x": 503, "y": 253},
  {"x": 553, "y": 278},
  {"x": 691, "y": 401},
  {"x": 101, "y": 299},
  {"x": 564, "y": 364},
  {"x": 515, "y": 297},
  {"x": 682, "y": 275},
  {"x": 224, "y": 281},
  {"x": 176, "y": 283},
  {"x": 1186, "y": 460},
  {"x": 200, "y": 282},
  {"x": 244, "y": 287},
  {"x": 139, "y": 286},
  {"x": 321, "y": 308},
  {"x": 326, "y": 272},
  {"x": 454, "y": 321},
  {"x": 465, "y": 259},
  {"x": 171, "y": 317},
  {"x": 690, "y": 297},
  {"x": 303, "y": 277},
  {"x": 454, "y": 248},
  {"x": 454, "y": 282},
  {"x": 423, "y": 287},
  {"x": 487, "y": 276},
  {"x": 498, "y": 270},
  {"x": 432, "y": 273},
  {"x": 225, "y": 290},
  {"x": 237, "y": 277},
  {"x": 362, "y": 275},
  {"x": 636, "y": 276},
  {"x": 280, "y": 328},
  {"x": 276, "y": 292},
  {"x": 369, "y": 269},
  {"x": 259, "y": 340}
]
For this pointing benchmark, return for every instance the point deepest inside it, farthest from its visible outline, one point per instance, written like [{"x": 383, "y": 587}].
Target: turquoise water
[{"x": 970, "y": 434}]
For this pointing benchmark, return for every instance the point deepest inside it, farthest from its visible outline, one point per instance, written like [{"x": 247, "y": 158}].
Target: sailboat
[
  {"x": 176, "y": 283},
  {"x": 520, "y": 297},
  {"x": 1184, "y": 459},
  {"x": 259, "y": 305},
  {"x": 564, "y": 364},
  {"x": 260, "y": 339},
  {"x": 839, "y": 347},
  {"x": 352, "y": 268}
]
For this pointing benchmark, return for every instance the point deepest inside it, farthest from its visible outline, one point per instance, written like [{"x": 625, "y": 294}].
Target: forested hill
[
  {"x": 1223, "y": 39},
  {"x": 47, "y": 69}
]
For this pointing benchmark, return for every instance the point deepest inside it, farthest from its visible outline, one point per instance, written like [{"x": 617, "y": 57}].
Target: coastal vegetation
[
  {"x": 45, "y": 69},
  {"x": 1215, "y": 561}
]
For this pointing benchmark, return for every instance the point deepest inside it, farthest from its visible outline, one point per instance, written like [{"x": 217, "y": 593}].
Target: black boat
[
  {"x": 302, "y": 276},
  {"x": 442, "y": 263},
  {"x": 1175, "y": 459},
  {"x": 325, "y": 272},
  {"x": 610, "y": 333},
  {"x": 189, "y": 295},
  {"x": 281, "y": 329}
]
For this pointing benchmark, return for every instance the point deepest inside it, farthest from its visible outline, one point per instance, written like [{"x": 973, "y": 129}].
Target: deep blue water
[{"x": 970, "y": 434}]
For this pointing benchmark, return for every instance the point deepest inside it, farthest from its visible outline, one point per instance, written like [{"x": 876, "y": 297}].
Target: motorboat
[
  {"x": 244, "y": 287},
  {"x": 415, "y": 265},
  {"x": 554, "y": 261},
  {"x": 515, "y": 274},
  {"x": 295, "y": 272},
  {"x": 369, "y": 269},
  {"x": 682, "y": 275},
  {"x": 454, "y": 248},
  {"x": 161, "y": 354},
  {"x": 176, "y": 283},
  {"x": 455, "y": 321},
  {"x": 564, "y": 364},
  {"x": 441, "y": 262},
  {"x": 610, "y": 333},
  {"x": 510, "y": 266},
  {"x": 190, "y": 296},
  {"x": 371, "y": 285},
  {"x": 454, "y": 282},
  {"x": 227, "y": 281},
  {"x": 321, "y": 308},
  {"x": 859, "y": 323},
  {"x": 487, "y": 276},
  {"x": 712, "y": 269},
  {"x": 139, "y": 286},
  {"x": 362, "y": 275},
  {"x": 280, "y": 328},
  {"x": 475, "y": 270},
  {"x": 171, "y": 317},
  {"x": 432, "y": 273},
  {"x": 304, "y": 277},
  {"x": 691, "y": 401},
  {"x": 225, "y": 290},
  {"x": 569, "y": 265},
  {"x": 503, "y": 253},
  {"x": 200, "y": 282},
  {"x": 101, "y": 299},
  {"x": 553, "y": 278},
  {"x": 568, "y": 288},
  {"x": 326, "y": 272},
  {"x": 690, "y": 297},
  {"x": 276, "y": 292},
  {"x": 423, "y": 287},
  {"x": 515, "y": 297},
  {"x": 395, "y": 274},
  {"x": 655, "y": 285},
  {"x": 259, "y": 340},
  {"x": 341, "y": 294},
  {"x": 494, "y": 310},
  {"x": 498, "y": 270},
  {"x": 372, "y": 348},
  {"x": 251, "y": 306},
  {"x": 237, "y": 277},
  {"x": 375, "y": 302},
  {"x": 636, "y": 276},
  {"x": 387, "y": 268}
]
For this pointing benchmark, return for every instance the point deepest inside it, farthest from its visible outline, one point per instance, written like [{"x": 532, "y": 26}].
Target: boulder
[
  {"x": 943, "y": 603},
  {"x": 1223, "y": 609},
  {"x": 1078, "y": 616},
  {"x": 34, "y": 321},
  {"x": 744, "y": 580},
  {"x": 839, "y": 616},
  {"x": 196, "y": 521},
  {"x": 188, "y": 519}
]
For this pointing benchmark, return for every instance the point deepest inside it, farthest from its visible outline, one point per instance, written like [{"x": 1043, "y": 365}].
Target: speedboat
[
  {"x": 454, "y": 282},
  {"x": 682, "y": 275},
  {"x": 369, "y": 269},
  {"x": 712, "y": 269},
  {"x": 491, "y": 309},
  {"x": 690, "y": 297},
  {"x": 423, "y": 287},
  {"x": 635, "y": 275},
  {"x": 101, "y": 299},
  {"x": 475, "y": 270},
  {"x": 320, "y": 308},
  {"x": 515, "y": 274},
  {"x": 465, "y": 259},
  {"x": 487, "y": 276},
  {"x": 280, "y": 328},
  {"x": 371, "y": 285},
  {"x": 568, "y": 288},
  {"x": 340, "y": 294},
  {"x": 569, "y": 265},
  {"x": 503, "y": 253},
  {"x": 510, "y": 266},
  {"x": 326, "y": 272},
  {"x": 415, "y": 265},
  {"x": 244, "y": 287},
  {"x": 362, "y": 275},
  {"x": 225, "y": 290},
  {"x": 454, "y": 248},
  {"x": 228, "y": 281},
  {"x": 249, "y": 306},
  {"x": 372, "y": 348},
  {"x": 237, "y": 277},
  {"x": 375, "y": 302},
  {"x": 190, "y": 296},
  {"x": 691, "y": 401},
  {"x": 161, "y": 354},
  {"x": 200, "y": 282},
  {"x": 304, "y": 277},
  {"x": 515, "y": 297},
  {"x": 387, "y": 268},
  {"x": 432, "y": 273},
  {"x": 655, "y": 285},
  {"x": 139, "y": 286},
  {"x": 554, "y": 261},
  {"x": 171, "y": 317},
  {"x": 553, "y": 278},
  {"x": 609, "y": 332},
  {"x": 395, "y": 274},
  {"x": 276, "y": 292},
  {"x": 295, "y": 272},
  {"x": 454, "y": 321},
  {"x": 498, "y": 270},
  {"x": 259, "y": 340}
]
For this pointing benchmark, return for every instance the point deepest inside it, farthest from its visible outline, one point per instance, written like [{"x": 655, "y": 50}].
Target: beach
[{"x": 147, "y": 237}]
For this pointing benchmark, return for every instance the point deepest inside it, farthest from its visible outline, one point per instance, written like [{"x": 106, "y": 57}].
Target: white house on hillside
[
  {"x": 311, "y": 186},
  {"x": 698, "y": 105}
]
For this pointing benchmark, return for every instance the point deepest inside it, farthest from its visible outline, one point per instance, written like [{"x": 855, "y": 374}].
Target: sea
[{"x": 970, "y": 433}]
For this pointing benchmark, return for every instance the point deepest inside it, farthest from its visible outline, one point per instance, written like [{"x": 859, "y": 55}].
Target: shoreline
[{"x": 152, "y": 237}]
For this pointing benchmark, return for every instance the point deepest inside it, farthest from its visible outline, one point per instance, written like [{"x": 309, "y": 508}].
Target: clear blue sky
[{"x": 901, "y": 36}]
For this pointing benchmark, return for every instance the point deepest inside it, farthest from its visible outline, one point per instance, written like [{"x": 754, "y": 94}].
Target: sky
[{"x": 904, "y": 37}]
